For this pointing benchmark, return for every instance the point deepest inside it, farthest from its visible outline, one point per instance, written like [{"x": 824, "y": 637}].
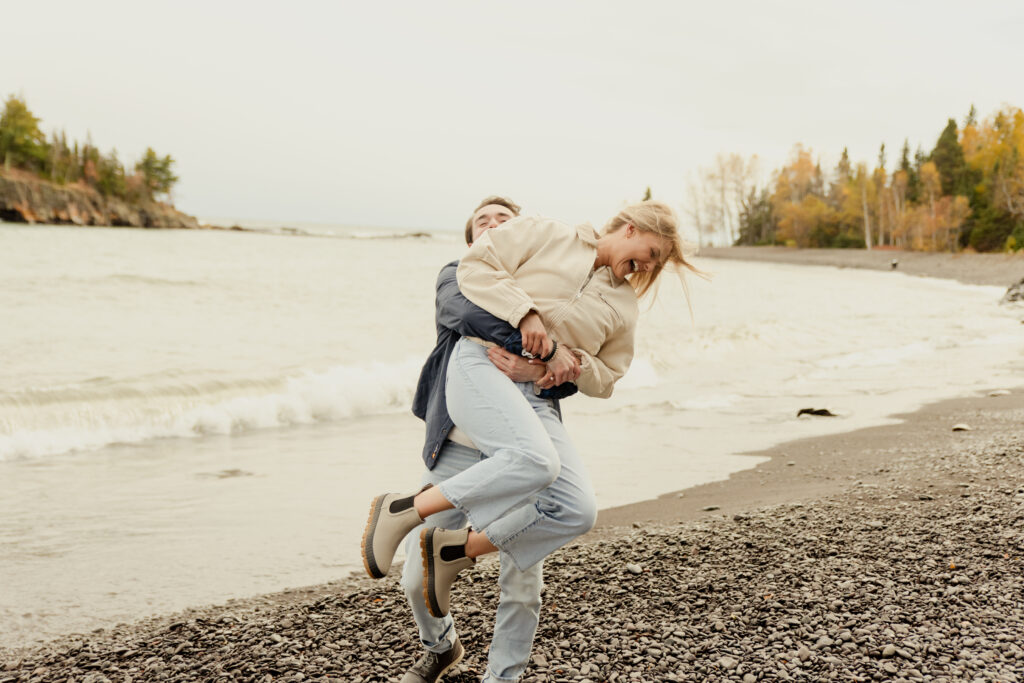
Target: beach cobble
[{"x": 917, "y": 579}]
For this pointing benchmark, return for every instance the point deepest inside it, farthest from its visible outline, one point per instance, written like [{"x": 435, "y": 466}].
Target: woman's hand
[
  {"x": 516, "y": 368},
  {"x": 535, "y": 336},
  {"x": 564, "y": 367}
]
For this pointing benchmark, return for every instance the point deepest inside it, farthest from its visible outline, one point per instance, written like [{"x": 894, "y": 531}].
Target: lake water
[{"x": 188, "y": 416}]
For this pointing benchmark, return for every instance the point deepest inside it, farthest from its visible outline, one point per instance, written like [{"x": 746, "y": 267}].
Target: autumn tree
[{"x": 696, "y": 208}]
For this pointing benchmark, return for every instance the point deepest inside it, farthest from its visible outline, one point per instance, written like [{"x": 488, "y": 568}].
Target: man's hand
[
  {"x": 516, "y": 368},
  {"x": 535, "y": 336},
  {"x": 564, "y": 367}
]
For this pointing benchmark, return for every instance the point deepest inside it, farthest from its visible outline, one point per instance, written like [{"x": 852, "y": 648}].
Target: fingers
[
  {"x": 500, "y": 361},
  {"x": 537, "y": 343},
  {"x": 546, "y": 347}
]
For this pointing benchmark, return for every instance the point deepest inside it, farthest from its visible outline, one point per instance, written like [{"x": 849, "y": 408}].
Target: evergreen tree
[
  {"x": 948, "y": 157},
  {"x": 22, "y": 144},
  {"x": 757, "y": 219},
  {"x": 110, "y": 175},
  {"x": 972, "y": 117},
  {"x": 913, "y": 177},
  {"x": 842, "y": 177},
  {"x": 159, "y": 177}
]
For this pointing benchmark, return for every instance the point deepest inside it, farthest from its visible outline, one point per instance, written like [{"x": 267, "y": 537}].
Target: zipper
[
  {"x": 585, "y": 283},
  {"x": 557, "y": 319}
]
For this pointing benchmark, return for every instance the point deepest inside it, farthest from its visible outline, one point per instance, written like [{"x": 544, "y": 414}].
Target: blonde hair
[{"x": 659, "y": 218}]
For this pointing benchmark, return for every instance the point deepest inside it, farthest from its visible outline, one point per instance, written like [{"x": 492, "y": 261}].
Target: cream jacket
[{"x": 545, "y": 266}]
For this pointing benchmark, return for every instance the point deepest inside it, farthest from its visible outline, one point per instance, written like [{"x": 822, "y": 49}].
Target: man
[{"x": 447, "y": 452}]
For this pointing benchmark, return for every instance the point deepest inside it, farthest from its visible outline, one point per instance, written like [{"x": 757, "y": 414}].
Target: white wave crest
[{"x": 338, "y": 393}]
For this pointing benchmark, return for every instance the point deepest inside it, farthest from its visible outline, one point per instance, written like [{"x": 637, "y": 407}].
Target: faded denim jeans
[
  {"x": 532, "y": 494},
  {"x": 519, "y": 601}
]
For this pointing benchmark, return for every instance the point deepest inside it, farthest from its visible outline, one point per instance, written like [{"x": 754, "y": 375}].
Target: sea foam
[{"x": 135, "y": 416}]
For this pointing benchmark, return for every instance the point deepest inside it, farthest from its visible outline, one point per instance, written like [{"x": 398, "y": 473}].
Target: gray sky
[{"x": 404, "y": 114}]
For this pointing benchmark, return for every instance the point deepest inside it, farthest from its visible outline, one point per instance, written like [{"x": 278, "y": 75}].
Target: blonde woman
[{"x": 573, "y": 295}]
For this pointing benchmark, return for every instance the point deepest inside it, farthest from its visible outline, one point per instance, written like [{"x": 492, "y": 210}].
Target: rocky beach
[
  {"x": 970, "y": 268},
  {"x": 905, "y": 562},
  {"x": 888, "y": 553}
]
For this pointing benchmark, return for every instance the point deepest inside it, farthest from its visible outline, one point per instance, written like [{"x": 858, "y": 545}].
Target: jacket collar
[
  {"x": 586, "y": 232},
  {"x": 588, "y": 235}
]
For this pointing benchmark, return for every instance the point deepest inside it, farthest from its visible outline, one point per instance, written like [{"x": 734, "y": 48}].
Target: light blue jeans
[
  {"x": 532, "y": 494},
  {"x": 519, "y": 600}
]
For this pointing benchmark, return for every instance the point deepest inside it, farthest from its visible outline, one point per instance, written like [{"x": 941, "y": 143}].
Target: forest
[
  {"x": 966, "y": 193},
  {"x": 24, "y": 147}
]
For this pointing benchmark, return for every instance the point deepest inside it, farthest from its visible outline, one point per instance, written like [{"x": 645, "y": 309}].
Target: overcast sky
[{"x": 404, "y": 114}]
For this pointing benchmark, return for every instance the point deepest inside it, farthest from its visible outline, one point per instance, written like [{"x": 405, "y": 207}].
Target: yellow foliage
[
  {"x": 798, "y": 220},
  {"x": 996, "y": 148},
  {"x": 933, "y": 226}
]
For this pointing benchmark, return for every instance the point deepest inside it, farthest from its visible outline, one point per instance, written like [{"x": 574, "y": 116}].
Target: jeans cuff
[
  {"x": 447, "y": 640},
  {"x": 492, "y": 677}
]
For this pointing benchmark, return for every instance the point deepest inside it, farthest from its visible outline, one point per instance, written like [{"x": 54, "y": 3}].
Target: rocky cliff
[{"x": 31, "y": 200}]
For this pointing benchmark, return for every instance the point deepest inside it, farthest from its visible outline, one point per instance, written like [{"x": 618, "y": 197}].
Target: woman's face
[{"x": 637, "y": 251}]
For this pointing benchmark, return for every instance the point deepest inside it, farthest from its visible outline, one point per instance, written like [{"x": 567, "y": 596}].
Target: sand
[{"x": 1000, "y": 270}]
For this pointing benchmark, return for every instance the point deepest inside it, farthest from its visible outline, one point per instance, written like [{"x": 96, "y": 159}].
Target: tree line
[
  {"x": 24, "y": 146},
  {"x": 967, "y": 192}
]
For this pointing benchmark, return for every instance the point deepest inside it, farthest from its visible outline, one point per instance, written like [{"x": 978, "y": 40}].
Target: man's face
[{"x": 490, "y": 216}]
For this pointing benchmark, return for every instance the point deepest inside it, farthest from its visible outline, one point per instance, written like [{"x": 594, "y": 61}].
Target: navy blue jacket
[{"x": 457, "y": 317}]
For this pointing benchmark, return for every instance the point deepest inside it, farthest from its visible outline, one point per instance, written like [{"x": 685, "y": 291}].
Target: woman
[{"x": 573, "y": 295}]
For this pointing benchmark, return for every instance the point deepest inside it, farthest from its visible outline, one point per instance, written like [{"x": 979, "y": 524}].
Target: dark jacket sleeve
[{"x": 457, "y": 313}]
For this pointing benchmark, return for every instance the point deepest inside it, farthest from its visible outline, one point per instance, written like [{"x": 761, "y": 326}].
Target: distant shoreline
[
  {"x": 28, "y": 200},
  {"x": 1000, "y": 270}
]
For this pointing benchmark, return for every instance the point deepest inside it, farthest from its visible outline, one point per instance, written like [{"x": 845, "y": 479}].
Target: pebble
[{"x": 793, "y": 593}]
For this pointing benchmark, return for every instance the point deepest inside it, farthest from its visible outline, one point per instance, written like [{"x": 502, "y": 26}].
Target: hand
[
  {"x": 564, "y": 367},
  {"x": 516, "y": 368},
  {"x": 535, "y": 336}
]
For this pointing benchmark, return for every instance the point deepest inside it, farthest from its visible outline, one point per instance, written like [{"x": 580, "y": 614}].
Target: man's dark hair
[{"x": 493, "y": 199}]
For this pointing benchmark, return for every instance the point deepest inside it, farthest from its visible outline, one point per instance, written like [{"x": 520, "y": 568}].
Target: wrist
[{"x": 554, "y": 349}]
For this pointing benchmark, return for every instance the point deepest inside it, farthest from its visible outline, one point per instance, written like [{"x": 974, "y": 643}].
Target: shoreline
[
  {"x": 894, "y": 473},
  {"x": 994, "y": 269},
  {"x": 813, "y": 468}
]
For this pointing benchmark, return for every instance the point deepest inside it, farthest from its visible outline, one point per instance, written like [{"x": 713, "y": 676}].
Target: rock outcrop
[
  {"x": 30, "y": 200},
  {"x": 1015, "y": 293}
]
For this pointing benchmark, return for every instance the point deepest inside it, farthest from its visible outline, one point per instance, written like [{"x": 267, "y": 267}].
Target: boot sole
[
  {"x": 451, "y": 666},
  {"x": 427, "y": 553},
  {"x": 366, "y": 546}
]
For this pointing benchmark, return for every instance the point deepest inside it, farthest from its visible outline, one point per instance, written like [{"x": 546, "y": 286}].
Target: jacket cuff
[{"x": 519, "y": 312}]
